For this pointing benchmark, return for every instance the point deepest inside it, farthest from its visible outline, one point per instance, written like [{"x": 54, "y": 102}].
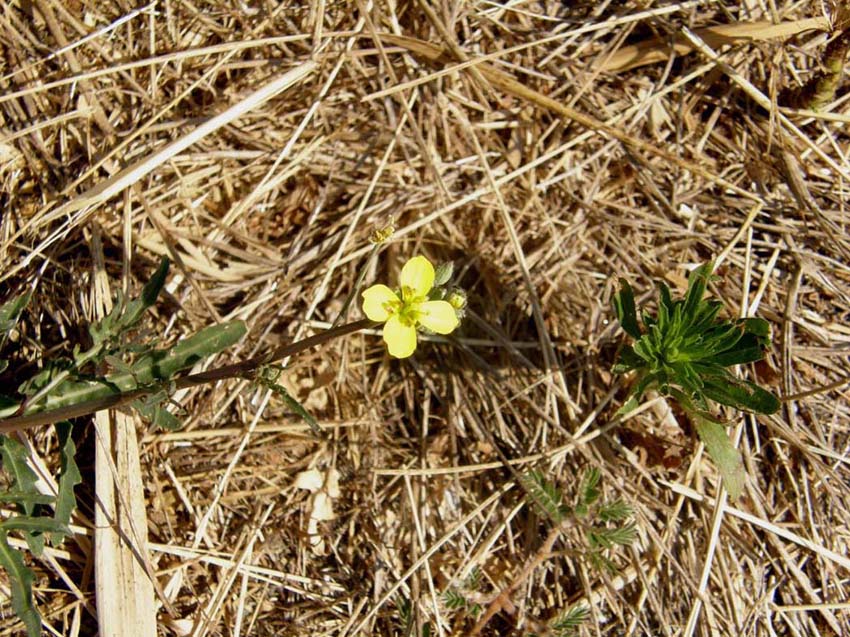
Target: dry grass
[{"x": 129, "y": 133}]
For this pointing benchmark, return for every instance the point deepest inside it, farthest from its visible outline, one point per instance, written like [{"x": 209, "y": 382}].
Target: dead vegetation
[{"x": 259, "y": 144}]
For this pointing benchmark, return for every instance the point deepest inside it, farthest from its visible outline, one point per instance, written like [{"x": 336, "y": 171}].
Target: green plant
[
  {"x": 684, "y": 352},
  {"x": 33, "y": 519},
  {"x": 602, "y": 523},
  {"x": 119, "y": 369}
]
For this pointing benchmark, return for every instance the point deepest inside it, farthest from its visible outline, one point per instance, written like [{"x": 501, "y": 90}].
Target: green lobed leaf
[
  {"x": 705, "y": 315},
  {"x": 686, "y": 349},
  {"x": 11, "y": 311},
  {"x": 69, "y": 477},
  {"x": 42, "y": 379},
  {"x": 118, "y": 364},
  {"x": 34, "y": 525},
  {"x": 20, "y": 583},
  {"x": 14, "y": 456},
  {"x": 124, "y": 316},
  {"x": 18, "y": 497},
  {"x": 156, "y": 367},
  {"x": 163, "y": 364},
  {"x": 158, "y": 416},
  {"x": 719, "y": 339}
]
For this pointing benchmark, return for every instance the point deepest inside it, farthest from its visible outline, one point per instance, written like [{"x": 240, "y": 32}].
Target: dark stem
[{"x": 242, "y": 369}]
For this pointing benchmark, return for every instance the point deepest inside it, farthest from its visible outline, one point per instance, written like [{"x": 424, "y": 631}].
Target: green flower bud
[{"x": 457, "y": 299}]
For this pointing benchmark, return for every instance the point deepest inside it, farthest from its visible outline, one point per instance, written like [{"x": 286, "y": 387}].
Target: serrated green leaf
[
  {"x": 686, "y": 349},
  {"x": 33, "y": 525},
  {"x": 719, "y": 339},
  {"x": 157, "y": 415},
  {"x": 137, "y": 307},
  {"x": 723, "y": 453},
  {"x": 42, "y": 379},
  {"x": 118, "y": 364},
  {"x": 11, "y": 311},
  {"x": 35, "y": 540},
  {"x": 20, "y": 583},
  {"x": 3, "y": 365},
  {"x": 163, "y": 364},
  {"x": 14, "y": 456},
  {"x": 24, "y": 479},
  {"x": 69, "y": 477}
]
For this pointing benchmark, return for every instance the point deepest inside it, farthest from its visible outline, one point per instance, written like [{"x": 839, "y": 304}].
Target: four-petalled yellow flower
[{"x": 402, "y": 314}]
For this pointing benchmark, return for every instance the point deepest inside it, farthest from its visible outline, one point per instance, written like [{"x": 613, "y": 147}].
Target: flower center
[{"x": 409, "y": 312}]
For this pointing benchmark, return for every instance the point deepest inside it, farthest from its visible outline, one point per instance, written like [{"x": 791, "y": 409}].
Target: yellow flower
[{"x": 402, "y": 314}]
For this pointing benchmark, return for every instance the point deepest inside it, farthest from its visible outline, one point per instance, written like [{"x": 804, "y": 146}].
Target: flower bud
[
  {"x": 382, "y": 235},
  {"x": 457, "y": 299}
]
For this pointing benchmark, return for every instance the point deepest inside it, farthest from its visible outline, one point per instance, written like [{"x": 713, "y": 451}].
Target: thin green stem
[
  {"x": 356, "y": 288},
  {"x": 244, "y": 368}
]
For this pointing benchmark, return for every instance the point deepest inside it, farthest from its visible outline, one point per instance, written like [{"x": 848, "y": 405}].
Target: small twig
[{"x": 503, "y": 599}]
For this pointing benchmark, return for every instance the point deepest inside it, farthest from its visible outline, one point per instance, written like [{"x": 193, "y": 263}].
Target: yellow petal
[
  {"x": 379, "y": 302},
  {"x": 417, "y": 278},
  {"x": 438, "y": 316},
  {"x": 400, "y": 338}
]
